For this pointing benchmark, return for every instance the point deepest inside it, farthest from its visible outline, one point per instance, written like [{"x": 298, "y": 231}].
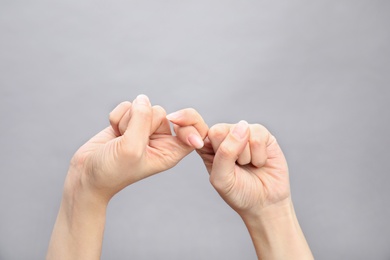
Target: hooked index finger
[{"x": 189, "y": 117}]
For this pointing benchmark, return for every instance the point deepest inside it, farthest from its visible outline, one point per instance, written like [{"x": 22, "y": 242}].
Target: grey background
[{"x": 316, "y": 73}]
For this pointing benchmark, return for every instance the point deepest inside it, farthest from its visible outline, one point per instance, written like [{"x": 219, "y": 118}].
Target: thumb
[
  {"x": 136, "y": 137},
  {"x": 223, "y": 172}
]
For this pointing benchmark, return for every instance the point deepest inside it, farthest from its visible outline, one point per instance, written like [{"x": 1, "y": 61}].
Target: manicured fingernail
[
  {"x": 196, "y": 141},
  {"x": 173, "y": 116},
  {"x": 142, "y": 99},
  {"x": 240, "y": 129}
]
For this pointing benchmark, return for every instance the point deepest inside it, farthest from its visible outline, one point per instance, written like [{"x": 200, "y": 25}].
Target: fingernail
[
  {"x": 196, "y": 141},
  {"x": 173, "y": 116},
  {"x": 240, "y": 129},
  {"x": 142, "y": 99}
]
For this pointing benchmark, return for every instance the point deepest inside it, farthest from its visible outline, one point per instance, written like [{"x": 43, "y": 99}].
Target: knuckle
[
  {"x": 216, "y": 182},
  {"x": 222, "y": 185},
  {"x": 216, "y": 132},
  {"x": 114, "y": 115},
  {"x": 226, "y": 151},
  {"x": 113, "y": 120},
  {"x": 159, "y": 109},
  {"x": 259, "y": 128},
  {"x": 261, "y": 135},
  {"x": 193, "y": 114},
  {"x": 272, "y": 140},
  {"x": 159, "y": 112},
  {"x": 77, "y": 160},
  {"x": 125, "y": 104},
  {"x": 256, "y": 142},
  {"x": 192, "y": 111}
]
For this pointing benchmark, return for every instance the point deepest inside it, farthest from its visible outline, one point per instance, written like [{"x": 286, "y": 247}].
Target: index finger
[
  {"x": 189, "y": 127},
  {"x": 189, "y": 117}
]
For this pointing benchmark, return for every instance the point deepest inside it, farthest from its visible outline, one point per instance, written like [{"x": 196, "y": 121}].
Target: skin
[
  {"x": 245, "y": 163},
  {"x": 136, "y": 145},
  {"x": 249, "y": 171}
]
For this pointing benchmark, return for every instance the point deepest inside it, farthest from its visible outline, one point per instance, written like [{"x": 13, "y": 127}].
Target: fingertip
[
  {"x": 142, "y": 99},
  {"x": 219, "y": 131},
  {"x": 196, "y": 141},
  {"x": 174, "y": 116},
  {"x": 240, "y": 130},
  {"x": 189, "y": 117}
]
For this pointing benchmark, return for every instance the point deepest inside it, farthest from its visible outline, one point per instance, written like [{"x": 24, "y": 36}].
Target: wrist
[
  {"x": 79, "y": 202},
  {"x": 79, "y": 191},
  {"x": 279, "y": 211},
  {"x": 79, "y": 228},
  {"x": 276, "y": 233}
]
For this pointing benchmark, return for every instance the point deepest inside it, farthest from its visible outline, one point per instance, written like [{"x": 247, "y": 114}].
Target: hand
[
  {"x": 138, "y": 144},
  {"x": 246, "y": 167}
]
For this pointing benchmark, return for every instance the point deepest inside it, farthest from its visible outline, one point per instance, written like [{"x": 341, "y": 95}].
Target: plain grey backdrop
[{"x": 316, "y": 73}]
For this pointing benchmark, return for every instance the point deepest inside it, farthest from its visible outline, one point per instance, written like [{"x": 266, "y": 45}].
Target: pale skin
[{"x": 245, "y": 163}]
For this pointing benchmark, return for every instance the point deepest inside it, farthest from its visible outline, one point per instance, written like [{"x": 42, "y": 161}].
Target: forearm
[
  {"x": 79, "y": 228},
  {"x": 276, "y": 233}
]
